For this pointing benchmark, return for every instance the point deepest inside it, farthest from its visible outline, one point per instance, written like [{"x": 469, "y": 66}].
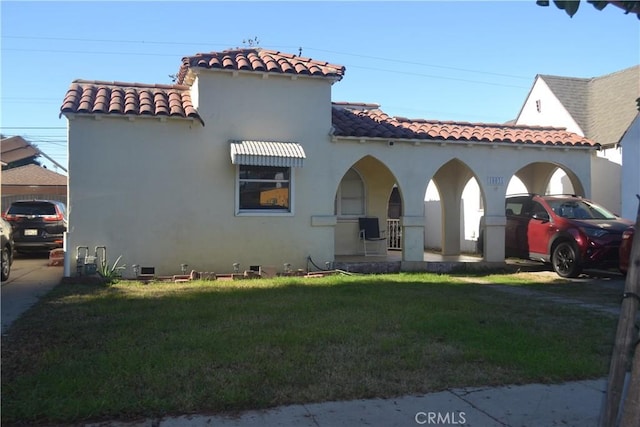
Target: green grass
[{"x": 130, "y": 350}]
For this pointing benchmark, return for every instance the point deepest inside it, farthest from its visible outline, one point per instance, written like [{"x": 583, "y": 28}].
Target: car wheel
[
  {"x": 6, "y": 264},
  {"x": 565, "y": 260}
]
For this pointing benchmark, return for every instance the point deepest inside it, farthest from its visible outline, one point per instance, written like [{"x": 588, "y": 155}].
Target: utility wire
[
  {"x": 32, "y": 127},
  {"x": 355, "y": 55}
]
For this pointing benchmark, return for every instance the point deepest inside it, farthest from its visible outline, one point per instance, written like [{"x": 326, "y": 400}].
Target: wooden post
[
  {"x": 626, "y": 337},
  {"x": 631, "y": 404}
]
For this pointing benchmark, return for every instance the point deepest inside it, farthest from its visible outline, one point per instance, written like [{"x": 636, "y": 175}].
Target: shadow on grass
[{"x": 89, "y": 352}]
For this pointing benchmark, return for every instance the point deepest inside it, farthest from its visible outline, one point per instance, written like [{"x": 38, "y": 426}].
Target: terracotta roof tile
[
  {"x": 260, "y": 60},
  {"x": 361, "y": 121},
  {"x": 118, "y": 98}
]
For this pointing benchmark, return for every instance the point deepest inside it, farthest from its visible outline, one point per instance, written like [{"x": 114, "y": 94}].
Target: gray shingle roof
[
  {"x": 16, "y": 148},
  {"x": 612, "y": 104},
  {"x": 572, "y": 93},
  {"x": 32, "y": 175},
  {"x": 604, "y": 106}
]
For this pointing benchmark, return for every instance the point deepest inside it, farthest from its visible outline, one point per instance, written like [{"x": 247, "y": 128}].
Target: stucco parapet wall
[
  {"x": 324, "y": 220},
  {"x": 412, "y": 221}
]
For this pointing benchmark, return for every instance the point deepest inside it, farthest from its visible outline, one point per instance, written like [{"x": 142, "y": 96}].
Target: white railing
[{"x": 394, "y": 234}]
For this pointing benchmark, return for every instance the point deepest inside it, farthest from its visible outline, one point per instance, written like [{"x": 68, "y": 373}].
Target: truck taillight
[{"x": 627, "y": 234}]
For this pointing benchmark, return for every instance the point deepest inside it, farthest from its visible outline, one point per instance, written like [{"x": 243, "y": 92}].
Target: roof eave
[
  {"x": 193, "y": 72},
  {"x": 70, "y": 115},
  {"x": 443, "y": 142}
]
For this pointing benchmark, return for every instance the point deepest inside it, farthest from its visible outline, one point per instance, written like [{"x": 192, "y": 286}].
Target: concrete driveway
[{"x": 30, "y": 279}]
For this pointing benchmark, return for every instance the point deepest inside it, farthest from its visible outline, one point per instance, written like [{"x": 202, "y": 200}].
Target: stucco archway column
[
  {"x": 412, "y": 222},
  {"x": 494, "y": 222},
  {"x": 412, "y": 237},
  {"x": 451, "y": 222},
  {"x": 494, "y": 237}
]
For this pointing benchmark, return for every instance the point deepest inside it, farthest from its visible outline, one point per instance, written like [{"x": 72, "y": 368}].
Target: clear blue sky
[{"x": 461, "y": 61}]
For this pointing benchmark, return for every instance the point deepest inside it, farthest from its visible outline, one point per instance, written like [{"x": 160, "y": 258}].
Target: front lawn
[{"x": 89, "y": 352}]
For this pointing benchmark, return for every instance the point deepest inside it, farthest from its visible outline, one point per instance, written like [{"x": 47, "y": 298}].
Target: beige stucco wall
[{"x": 163, "y": 193}]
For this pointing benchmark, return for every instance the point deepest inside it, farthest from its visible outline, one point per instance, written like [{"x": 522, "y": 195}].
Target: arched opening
[
  {"x": 394, "y": 212},
  {"x": 367, "y": 189},
  {"x": 545, "y": 178},
  {"x": 454, "y": 206}
]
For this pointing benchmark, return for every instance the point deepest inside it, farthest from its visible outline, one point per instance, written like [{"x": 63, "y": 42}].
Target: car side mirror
[{"x": 541, "y": 216}]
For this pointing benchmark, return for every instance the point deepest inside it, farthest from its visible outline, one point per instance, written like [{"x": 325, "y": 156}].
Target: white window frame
[
  {"x": 265, "y": 212},
  {"x": 338, "y": 201}
]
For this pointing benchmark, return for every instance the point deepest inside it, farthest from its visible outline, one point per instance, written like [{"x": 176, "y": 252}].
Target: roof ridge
[
  {"x": 478, "y": 124},
  {"x": 592, "y": 78},
  {"x": 553, "y": 76},
  {"x": 30, "y": 165},
  {"x": 355, "y": 105},
  {"x": 131, "y": 84},
  {"x": 624, "y": 70}
]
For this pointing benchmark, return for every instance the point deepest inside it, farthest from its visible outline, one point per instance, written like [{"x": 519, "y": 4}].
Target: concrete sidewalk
[{"x": 571, "y": 404}]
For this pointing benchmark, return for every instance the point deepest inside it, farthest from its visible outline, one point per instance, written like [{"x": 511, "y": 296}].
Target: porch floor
[
  {"x": 394, "y": 256},
  {"x": 392, "y": 263}
]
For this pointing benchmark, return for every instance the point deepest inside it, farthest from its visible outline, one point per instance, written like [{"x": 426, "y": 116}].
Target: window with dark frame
[{"x": 264, "y": 188}]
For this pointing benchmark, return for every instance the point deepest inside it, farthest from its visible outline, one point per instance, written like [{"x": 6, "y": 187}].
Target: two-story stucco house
[
  {"x": 604, "y": 110},
  {"x": 247, "y": 160}
]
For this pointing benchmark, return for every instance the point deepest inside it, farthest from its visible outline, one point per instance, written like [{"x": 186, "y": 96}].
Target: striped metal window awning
[{"x": 266, "y": 153}]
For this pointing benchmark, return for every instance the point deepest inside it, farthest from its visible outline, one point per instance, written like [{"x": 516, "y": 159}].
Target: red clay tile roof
[
  {"x": 32, "y": 175},
  {"x": 374, "y": 123},
  {"x": 260, "y": 60},
  {"x": 135, "y": 99}
]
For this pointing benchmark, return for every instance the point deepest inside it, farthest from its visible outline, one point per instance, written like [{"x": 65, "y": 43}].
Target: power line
[
  {"x": 353, "y": 66},
  {"x": 399, "y": 61},
  {"x": 33, "y": 127},
  {"x": 356, "y": 55},
  {"x": 113, "y": 41},
  {"x": 440, "y": 77},
  {"x": 92, "y": 52}
]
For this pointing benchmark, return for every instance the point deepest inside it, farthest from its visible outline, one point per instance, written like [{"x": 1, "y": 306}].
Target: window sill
[{"x": 265, "y": 213}]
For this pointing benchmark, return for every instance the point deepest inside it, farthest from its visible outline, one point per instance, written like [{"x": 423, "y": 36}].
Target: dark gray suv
[
  {"x": 7, "y": 248},
  {"x": 38, "y": 225}
]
